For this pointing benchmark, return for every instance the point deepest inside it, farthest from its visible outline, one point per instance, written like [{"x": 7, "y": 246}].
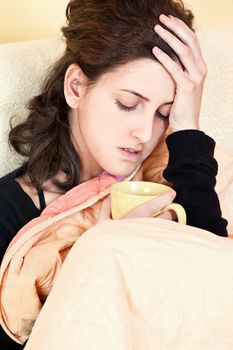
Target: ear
[{"x": 74, "y": 85}]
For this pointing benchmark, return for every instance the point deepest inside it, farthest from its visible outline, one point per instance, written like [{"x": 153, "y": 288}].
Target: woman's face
[{"x": 121, "y": 119}]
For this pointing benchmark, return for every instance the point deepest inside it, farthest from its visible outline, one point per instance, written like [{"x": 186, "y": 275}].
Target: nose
[{"x": 143, "y": 131}]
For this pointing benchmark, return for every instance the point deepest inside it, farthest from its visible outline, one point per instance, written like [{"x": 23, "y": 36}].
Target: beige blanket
[{"x": 141, "y": 284}]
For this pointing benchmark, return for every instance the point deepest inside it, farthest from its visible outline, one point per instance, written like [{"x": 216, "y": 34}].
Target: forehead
[{"x": 146, "y": 76}]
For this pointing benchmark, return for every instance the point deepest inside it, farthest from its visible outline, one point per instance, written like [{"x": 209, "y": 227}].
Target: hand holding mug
[{"x": 136, "y": 199}]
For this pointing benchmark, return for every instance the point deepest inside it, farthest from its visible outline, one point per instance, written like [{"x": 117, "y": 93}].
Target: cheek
[{"x": 160, "y": 128}]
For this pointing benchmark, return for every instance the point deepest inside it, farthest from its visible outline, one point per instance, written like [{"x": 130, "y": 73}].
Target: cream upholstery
[
  {"x": 22, "y": 68},
  {"x": 217, "y": 111}
]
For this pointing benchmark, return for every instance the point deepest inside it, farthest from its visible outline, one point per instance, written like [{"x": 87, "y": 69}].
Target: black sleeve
[{"x": 192, "y": 170}]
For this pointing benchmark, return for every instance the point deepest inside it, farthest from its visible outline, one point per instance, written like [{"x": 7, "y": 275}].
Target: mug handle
[{"x": 178, "y": 209}]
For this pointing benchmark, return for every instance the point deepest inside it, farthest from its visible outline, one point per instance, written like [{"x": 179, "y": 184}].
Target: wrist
[{"x": 176, "y": 128}]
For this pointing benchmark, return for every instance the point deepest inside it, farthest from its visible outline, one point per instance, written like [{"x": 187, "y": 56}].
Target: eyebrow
[{"x": 143, "y": 97}]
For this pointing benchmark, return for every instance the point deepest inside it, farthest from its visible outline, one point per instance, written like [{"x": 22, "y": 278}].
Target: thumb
[{"x": 105, "y": 210}]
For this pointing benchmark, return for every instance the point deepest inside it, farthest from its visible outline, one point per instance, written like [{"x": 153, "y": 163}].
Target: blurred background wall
[
  {"x": 211, "y": 12},
  {"x": 32, "y": 19}
]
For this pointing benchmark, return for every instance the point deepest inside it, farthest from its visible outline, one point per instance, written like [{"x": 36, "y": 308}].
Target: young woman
[{"x": 131, "y": 70}]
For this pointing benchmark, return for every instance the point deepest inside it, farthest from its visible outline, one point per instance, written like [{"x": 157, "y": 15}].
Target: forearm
[{"x": 192, "y": 170}]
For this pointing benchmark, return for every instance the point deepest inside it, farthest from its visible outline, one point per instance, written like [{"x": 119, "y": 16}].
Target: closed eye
[
  {"x": 124, "y": 107},
  {"x": 162, "y": 116}
]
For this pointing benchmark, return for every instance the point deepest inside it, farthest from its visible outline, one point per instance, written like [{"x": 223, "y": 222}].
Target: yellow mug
[{"x": 127, "y": 195}]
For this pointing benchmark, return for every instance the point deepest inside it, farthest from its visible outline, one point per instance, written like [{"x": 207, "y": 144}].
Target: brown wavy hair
[{"x": 99, "y": 35}]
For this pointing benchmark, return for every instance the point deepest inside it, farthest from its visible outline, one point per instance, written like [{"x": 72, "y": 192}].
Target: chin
[{"x": 122, "y": 172}]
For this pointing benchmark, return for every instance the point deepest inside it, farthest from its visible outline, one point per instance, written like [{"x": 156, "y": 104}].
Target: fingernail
[
  {"x": 158, "y": 28},
  {"x": 173, "y": 193},
  {"x": 163, "y": 17},
  {"x": 156, "y": 50}
]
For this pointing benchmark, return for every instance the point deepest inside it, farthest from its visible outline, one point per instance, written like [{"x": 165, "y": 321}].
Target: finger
[
  {"x": 166, "y": 216},
  {"x": 182, "y": 80},
  {"x": 105, "y": 210},
  {"x": 187, "y": 36},
  {"x": 183, "y": 51},
  {"x": 151, "y": 207}
]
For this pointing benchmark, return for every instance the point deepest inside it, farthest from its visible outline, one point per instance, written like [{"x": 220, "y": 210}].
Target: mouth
[{"x": 131, "y": 154}]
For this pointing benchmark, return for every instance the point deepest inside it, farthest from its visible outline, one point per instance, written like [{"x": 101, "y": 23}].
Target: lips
[
  {"x": 131, "y": 154},
  {"x": 131, "y": 150}
]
